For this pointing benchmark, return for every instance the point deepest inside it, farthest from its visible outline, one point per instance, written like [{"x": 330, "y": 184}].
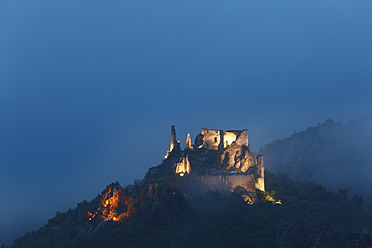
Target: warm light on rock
[
  {"x": 183, "y": 166},
  {"x": 222, "y": 159},
  {"x": 188, "y": 142},
  {"x": 116, "y": 204}
]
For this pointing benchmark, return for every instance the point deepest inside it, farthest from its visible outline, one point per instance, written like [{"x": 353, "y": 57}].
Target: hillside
[
  {"x": 333, "y": 154},
  {"x": 309, "y": 216},
  {"x": 216, "y": 194}
]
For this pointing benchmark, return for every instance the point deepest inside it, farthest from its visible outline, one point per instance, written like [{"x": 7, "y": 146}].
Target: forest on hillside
[{"x": 308, "y": 215}]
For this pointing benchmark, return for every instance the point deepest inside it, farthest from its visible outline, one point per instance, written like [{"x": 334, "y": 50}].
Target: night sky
[{"x": 90, "y": 89}]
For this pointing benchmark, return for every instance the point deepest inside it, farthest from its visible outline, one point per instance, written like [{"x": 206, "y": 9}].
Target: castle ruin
[
  {"x": 217, "y": 139},
  {"x": 220, "y": 159}
]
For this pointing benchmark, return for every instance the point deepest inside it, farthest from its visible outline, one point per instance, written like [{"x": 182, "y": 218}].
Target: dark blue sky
[{"x": 89, "y": 89}]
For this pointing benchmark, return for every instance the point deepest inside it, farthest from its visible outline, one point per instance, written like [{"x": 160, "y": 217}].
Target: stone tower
[
  {"x": 188, "y": 141},
  {"x": 260, "y": 181},
  {"x": 173, "y": 140}
]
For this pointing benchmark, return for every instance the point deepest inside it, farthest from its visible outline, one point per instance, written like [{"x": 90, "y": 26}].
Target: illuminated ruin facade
[
  {"x": 218, "y": 161},
  {"x": 218, "y": 139},
  {"x": 221, "y": 159}
]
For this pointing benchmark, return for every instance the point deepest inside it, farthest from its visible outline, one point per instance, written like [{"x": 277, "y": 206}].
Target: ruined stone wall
[
  {"x": 260, "y": 181},
  {"x": 243, "y": 138},
  {"x": 239, "y": 157},
  {"x": 215, "y": 139},
  {"x": 229, "y": 137},
  {"x": 227, "y": 182},
  {"x": 211, "y": 139}
]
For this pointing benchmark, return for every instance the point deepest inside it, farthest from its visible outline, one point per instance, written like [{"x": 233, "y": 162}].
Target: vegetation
[{"x": 210, "y": 220}]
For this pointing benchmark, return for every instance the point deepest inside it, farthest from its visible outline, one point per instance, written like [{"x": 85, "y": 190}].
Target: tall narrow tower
[
  {"x": 260, "y": 181},
  {"x": 173, "y": 140},
  {"x": 188, "y": 142}
]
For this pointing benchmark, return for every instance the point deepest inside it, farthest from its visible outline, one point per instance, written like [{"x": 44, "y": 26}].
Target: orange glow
[
  {"x": 247, "y": 198},
  {"x": 117, "y": 205},
  {"x": 182, "y": 174}
]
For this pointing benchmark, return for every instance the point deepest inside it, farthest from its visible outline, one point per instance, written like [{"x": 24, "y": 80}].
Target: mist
[
  {"x": 89, "y": 89},
  {"x": 336, "y": 155}
]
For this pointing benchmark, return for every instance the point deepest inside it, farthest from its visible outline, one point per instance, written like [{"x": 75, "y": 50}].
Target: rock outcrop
[
  {"x": 238, "y": 157},
  {"x": 183, "y": 167},
  {"x": 289, "y": 237},
  {"x": 199, "y": 140},
  {"x": 324, "y": 233},
  {"x": 116, "y": 204}
]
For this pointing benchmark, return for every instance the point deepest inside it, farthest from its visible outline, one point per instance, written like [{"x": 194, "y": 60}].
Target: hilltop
[
  {"x": 211, "y": 194},
  {"x": 309, "y": 216}
]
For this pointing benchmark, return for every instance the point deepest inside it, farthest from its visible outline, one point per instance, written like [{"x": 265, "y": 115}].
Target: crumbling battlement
[
  {"x": 222, "y": 159},
  {"x": 218, "y": 139}
]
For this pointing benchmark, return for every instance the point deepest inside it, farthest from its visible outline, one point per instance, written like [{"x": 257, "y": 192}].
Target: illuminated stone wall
[
  {"x": 260, "y": 182},
  {"x": 215, "y": 139},
  {"x": 227, "y": 182},
  {"x": 243, "y": 138},
  {"x": 229, "y": 137},
  {"x": 239, "y": 137},
  {"x": 211, "y": 139}
]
